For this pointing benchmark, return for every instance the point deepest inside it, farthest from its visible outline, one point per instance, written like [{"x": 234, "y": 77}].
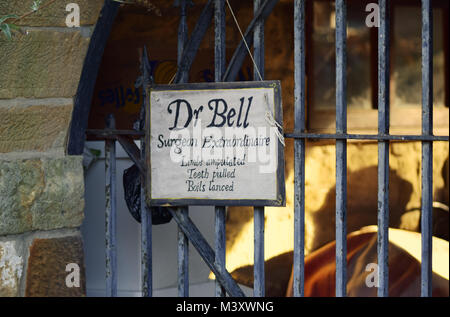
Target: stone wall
[{"x": 41, "y": 188}]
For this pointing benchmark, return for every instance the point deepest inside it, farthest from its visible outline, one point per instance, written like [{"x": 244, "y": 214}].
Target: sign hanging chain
[{"x": 245, "y": 42}]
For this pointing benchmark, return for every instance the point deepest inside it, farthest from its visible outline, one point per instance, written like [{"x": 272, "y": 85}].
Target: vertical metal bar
[
  {"x": 341, "y": 149},
  {"x": 383, "y": 150},
  {"x": 259, "y": 282},
  {"x": 219, "y": 47},
  {"x": 182, "y": 38},
  {"x": 259, "y": 277},
  {"x": 110, "y": 216},
  {"x": 183, "y": 259},
  {"x": 146, "y": 214},
  {"x": 220, "y": 211},
  {"x": 183, "y": 242},
  {"x": 146, "y": 238},
  {"x": 258, "y": 44},
  {"x": 427, "y": 146},
  {"x": 299, "y": 148},
  {"x": 220, "y": 255}
]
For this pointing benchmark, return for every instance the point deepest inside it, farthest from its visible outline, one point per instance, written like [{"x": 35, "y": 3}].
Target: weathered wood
[{"x": 83, "y": 98}]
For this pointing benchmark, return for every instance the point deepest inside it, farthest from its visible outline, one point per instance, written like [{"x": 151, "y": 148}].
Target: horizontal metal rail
[
  {"x": 107, "y": 134},
  {"x": 378, "y": 137},
  {"x": 111, "y": 133},
  {"x": 299, "y": 148}
]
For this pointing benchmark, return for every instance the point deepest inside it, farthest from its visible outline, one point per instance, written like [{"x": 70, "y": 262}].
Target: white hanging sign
[{"x": 215, "y": 144}]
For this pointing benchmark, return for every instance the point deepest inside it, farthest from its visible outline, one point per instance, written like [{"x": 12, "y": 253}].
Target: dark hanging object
[{"x": 132, "y": 192}]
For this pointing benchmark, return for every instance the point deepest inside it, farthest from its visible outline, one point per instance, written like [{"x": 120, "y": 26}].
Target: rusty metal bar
[
  {"x": 220, "y": 211},
  {"x": 146, "y": 239},
  {"x": 341, "y": 148},
  {"x": 299, "y": 148},
  {"x": 183, "y": 258},
  {"x": 182, "y": 77},
  {"x": 258, "y": 271},
  {"x": 111, "y": 212},
  {"x": 132, "y": 150},
  {"x": 220, "y": 246},
  {"x": 383, "y": 150},
  {"x": 427, "y": 147},
  {"x": 112, "y": 133}
]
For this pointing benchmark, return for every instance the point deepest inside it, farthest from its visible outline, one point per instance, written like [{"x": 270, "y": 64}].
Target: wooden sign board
[{"x": 215, "y": 144}]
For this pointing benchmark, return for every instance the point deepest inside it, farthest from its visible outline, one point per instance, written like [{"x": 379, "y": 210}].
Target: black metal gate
[{"x": 254, "y": 35}]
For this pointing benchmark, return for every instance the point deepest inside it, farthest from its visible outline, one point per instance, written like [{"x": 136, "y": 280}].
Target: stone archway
[
  {"x": 48, "y": 73},
  {"x": 82, "y": 101}
]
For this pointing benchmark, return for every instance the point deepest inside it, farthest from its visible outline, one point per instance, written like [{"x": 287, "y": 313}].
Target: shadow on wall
[
  {"x": 361, "y": 212},
  {"x": 362, "y": 209},
  {"x": 440, "y": 210},
  {"x": 320, "y": 224}
]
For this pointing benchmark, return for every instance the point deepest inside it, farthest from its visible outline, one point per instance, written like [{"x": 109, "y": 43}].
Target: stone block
[
  {"x": 11, "y": 267},
  {"x": 34, "y": 128},
  {"x": 41, "y": 64},
  {"x": 41, "y": 194},
  {"x": 53, "y": 15},
  {"x": 47, "y": 262}
]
